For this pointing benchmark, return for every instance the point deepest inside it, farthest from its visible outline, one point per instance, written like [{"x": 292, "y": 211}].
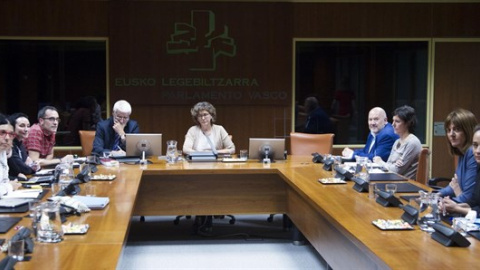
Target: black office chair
[
  {"x": 231, "y": 221},
  {"x": 177, "y": 219},
  {"x": 204, "y": 221},
  {"x": 438, "y": 183}
]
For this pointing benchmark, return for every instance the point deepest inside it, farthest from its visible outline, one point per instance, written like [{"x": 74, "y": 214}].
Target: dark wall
[{"x": 255, "y": 97}]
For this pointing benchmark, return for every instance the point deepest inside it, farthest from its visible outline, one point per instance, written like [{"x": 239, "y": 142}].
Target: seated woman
[
  {"x": 473, "y": 203},
  {"x": 403, "y": 157},
  {"x": 206, "y": 136},
  {"x": 459, "y": 126},
  {"x": 6, "y": 137},
  {"x": 19, "y": 163}
]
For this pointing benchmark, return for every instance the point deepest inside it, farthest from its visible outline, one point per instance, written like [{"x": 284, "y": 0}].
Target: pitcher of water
[
  {"x": 172, "y": 151},
  {"x": 428, "y": 210},
  {"x": 362, "y": 163},
  {"x": 64, "y": 171},
  {"x": 49, "y": 224}
]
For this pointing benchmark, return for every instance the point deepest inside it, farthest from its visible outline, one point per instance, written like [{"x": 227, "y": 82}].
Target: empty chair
[
  {"x": 422, "y": 168},
  {"x": 440, "y": 182},
  {"x": 86, "y": 140},
  {"x": 306, "y": 144}
]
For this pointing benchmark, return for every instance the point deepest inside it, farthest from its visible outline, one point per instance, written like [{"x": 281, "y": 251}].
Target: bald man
[{"x": 379, "y": 141}]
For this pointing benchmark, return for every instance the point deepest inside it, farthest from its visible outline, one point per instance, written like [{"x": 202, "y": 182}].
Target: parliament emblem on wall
[{"x": 202, "y": 40}]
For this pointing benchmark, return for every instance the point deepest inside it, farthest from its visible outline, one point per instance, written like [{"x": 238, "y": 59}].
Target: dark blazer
[
  {"x": 16, "y": 163},
  {"x": 318, "y": 122},
  {"x": 383, "y": 144},
  {"x": 105, "y": 135},
  {"x": 474, "y": 202}
]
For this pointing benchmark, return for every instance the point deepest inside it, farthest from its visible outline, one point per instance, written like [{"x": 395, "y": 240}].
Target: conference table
[{"x": 335, "y": 219}]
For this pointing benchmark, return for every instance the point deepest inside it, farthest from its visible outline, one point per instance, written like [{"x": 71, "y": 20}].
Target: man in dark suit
[
  {"x": 318, "y": 121},
  {"x": 110, "y": 133},
  {"x": 379, "y": 141}
]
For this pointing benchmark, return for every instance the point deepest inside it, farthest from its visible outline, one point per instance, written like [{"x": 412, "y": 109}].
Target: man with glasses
[
  {"x": 110, "y": 133},
  {"x": 41, "y": 139}
]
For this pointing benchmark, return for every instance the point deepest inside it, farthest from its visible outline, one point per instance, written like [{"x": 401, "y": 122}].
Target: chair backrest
[
  {"x": 306, "y": 144},
  {"x": 86, "y": 140},
  {"x": 422, "y": 167}
]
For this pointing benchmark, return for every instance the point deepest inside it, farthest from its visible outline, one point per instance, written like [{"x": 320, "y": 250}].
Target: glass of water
[{"x": 391, "y": 188}]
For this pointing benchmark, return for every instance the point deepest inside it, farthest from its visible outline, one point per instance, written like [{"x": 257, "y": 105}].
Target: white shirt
[{"x": 5, "y": 185}]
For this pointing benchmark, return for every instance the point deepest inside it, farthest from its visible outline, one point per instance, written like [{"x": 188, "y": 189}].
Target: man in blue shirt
[{"x": 379, "y": 141}]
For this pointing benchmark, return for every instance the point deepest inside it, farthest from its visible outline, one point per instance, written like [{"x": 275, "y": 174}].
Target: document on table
[{"x": 23, "y": 193}]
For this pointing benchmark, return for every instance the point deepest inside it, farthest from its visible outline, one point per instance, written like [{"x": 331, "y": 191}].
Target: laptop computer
[{"x": 12, "y": 203}]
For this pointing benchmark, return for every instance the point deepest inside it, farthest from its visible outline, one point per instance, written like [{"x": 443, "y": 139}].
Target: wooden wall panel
[
  {"x": 456, "y": 20},
  {"x": 456, "y": 85},
  {"x": 142, "y": 47},
  {"x": 56, "y": 18},
  {"x": 361, "y": 20}
]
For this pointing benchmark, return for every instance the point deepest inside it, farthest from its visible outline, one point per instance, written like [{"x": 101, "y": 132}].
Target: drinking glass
[
  {"x": 16, "y": 249},
  {"x": 33, "y": 208},
  {"x": 391, "y": 188},
  {"x": 90, "y": 190},
  {"x": 244, "y": 154}
]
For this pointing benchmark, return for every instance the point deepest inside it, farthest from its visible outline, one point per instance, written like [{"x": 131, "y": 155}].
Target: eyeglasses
[
  {"x": 203, "y": 115},
  {"x": 125, "y": 118},
  {"x": 53, "y": 119},
  {"x": 4, "y": 134}
]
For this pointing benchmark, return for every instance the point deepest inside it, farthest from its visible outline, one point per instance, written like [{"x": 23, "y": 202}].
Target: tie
[
  {"x": 116, "y": 144},
  {"x": 371, "y": 145}
]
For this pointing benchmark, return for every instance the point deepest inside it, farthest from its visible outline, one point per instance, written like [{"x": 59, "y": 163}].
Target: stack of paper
[
  {"x": 23, "y": 193},
  {"x": 12, "y": 203}
]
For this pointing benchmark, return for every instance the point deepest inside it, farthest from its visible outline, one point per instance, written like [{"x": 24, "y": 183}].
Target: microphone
[{"x": 70, "y": 189}]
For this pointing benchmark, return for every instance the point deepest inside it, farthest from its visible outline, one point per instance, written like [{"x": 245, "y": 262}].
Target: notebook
[
  {"x": 41, "y": 179},
  {"x": 8, "y": 222},
  {"x": 402, "y": 187},
  {"x": 386, "y": 177},
  {"x": 24, "y": 194},
  {"x": 93, "y": 203},
  {"x": 127, "y": 159}
]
